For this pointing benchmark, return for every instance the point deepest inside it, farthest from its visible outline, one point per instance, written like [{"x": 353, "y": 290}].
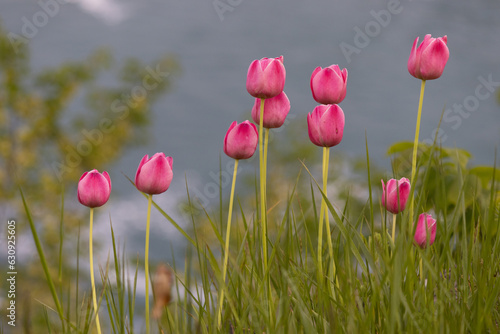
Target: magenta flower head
[
  {"x": 393, "y": 192},
  {"x": 326, "y": 125},
  {"x": 427, "y": 62},
  {"x": 154, "y": 174},
  {"x": 328, "y": 85},
  {"x": 266, "y": 77},
  {"x": 426, "y": 228},
  {"x": 275, "y": 111},
  {"x": 94, "y": 188},
  {"x": 241, "y": 140}
]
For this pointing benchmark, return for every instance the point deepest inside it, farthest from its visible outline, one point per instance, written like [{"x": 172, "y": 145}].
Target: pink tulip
[
  {"x": 328, "y": 85},
  {"x": 427, "y": 62},
  {"x": 326, "y": 125},
  {"x": 266, "y": 77},
  {"x": 426, "y": 228},
  {"x": 94, "y": 188},
  {"x": 275, "y": 111},
  {"x": 393, "y": 192},
  {"x": 154, "y": 174},
  {"x": 241, "y": 140}
]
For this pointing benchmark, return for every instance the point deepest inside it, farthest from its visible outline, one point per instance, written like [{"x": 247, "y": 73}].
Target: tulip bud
[
  {"x": 426, "y": 230},
  {"x": 162, "y": 287},
  {"x": 328, "y": 85},
  {"x": 154, "y": 174},
  {"x": 395, "y": 192},
  {"x": 266, "y": 77},
  {"x": 275, "y": 111},
  {"x": 427, "y": 62},
  {"x": 94, "y": 188},
  {"x": 326, "y": 125},
  {"x": 241, "y": 140}
]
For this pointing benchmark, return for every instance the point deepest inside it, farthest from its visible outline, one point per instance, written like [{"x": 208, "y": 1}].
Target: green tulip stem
[
  {"x": 415, "y": 146},
  {"x": 266, "y": 144},
  {"x": 226, "y": 249},
  {"x": 263, "y": 217},
  {"x": 394, "y": 228},
  {"x": 91, "y": 259},
  {"x": 146, "y": 260},
  {"x": 333, "y": 270},
  {"x": 320, "y": 227}
]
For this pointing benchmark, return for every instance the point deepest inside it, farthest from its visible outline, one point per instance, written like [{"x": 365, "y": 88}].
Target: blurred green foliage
[
  {"x": 80, "y": 115},
  {"x": 54, "y": 126}
]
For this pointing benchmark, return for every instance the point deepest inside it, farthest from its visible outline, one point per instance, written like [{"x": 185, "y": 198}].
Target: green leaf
[
  {"x": 399, "y": 147},
  {"x": 485, "y": 174}
]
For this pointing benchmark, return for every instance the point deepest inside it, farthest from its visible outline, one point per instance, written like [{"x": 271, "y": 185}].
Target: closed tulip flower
[
  {"x": 395, "y": 194},
  {"x": 326, "y": 125},
  {"x": 275, "y": 111},
  {"x": 94, "y": 188},
  {"x": 154, "y": 174},
  {"x": 266, "y": 77},
  {"x": 426, "y": 229},
  {"x": 328, "y": 85},
  {"x": 241, "y": 140},
  {"x": 427, "y": 62}
]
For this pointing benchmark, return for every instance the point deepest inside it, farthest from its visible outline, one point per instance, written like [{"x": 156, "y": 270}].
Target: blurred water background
[{"x": 215, "y": 41}]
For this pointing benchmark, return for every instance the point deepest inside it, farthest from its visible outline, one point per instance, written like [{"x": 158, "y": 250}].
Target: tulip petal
[
  {"x": 414, "y": 60},
  {"x": 94, "y": 188},
  {"x": 241, "y": 140},
  {"x": 331, "y": 126},
  {"x": 313, "y": 127},
  {"x": 433, "y": 60},
  {"x": 154, "y": 175}
]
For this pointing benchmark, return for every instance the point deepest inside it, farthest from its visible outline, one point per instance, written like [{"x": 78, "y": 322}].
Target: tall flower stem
[
  {"x": 320, "y": 228},
  {"x": 333, "y": 269},
  {"x": 263, "y": 217},
  {"x": 226, "y": 249},
  {"x": 415, "y": 146},
  {"x": 91, "y": 259},
  {"x": 146, "y": 261},
  {"x": 394, "y": 227}
]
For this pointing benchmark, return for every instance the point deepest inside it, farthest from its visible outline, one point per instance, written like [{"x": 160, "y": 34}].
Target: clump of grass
[{"x": 378, "y": 285}]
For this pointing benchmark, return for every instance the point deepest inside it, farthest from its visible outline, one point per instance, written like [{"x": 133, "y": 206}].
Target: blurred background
[{"x": 100, "y": 83}]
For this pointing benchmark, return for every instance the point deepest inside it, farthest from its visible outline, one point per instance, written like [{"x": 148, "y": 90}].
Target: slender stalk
[
  {"x": 266, "y": 144},
  {"x": 327, "y": 220},
  {"x": 394, "y": 228},
  {"x": 325, "y": 190},
  {"x": 226, "y": 249},
  {"x": 146, "y": 260},
  {"x": 263, "y": 217},
  {"x": 91, "y": 256},
  {"x": 415, "y": 146},
  {"x": 320, "y": 227}
]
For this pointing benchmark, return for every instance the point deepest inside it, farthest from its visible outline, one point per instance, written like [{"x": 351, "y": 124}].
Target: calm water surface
[{"x": 214, "y": 50}]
